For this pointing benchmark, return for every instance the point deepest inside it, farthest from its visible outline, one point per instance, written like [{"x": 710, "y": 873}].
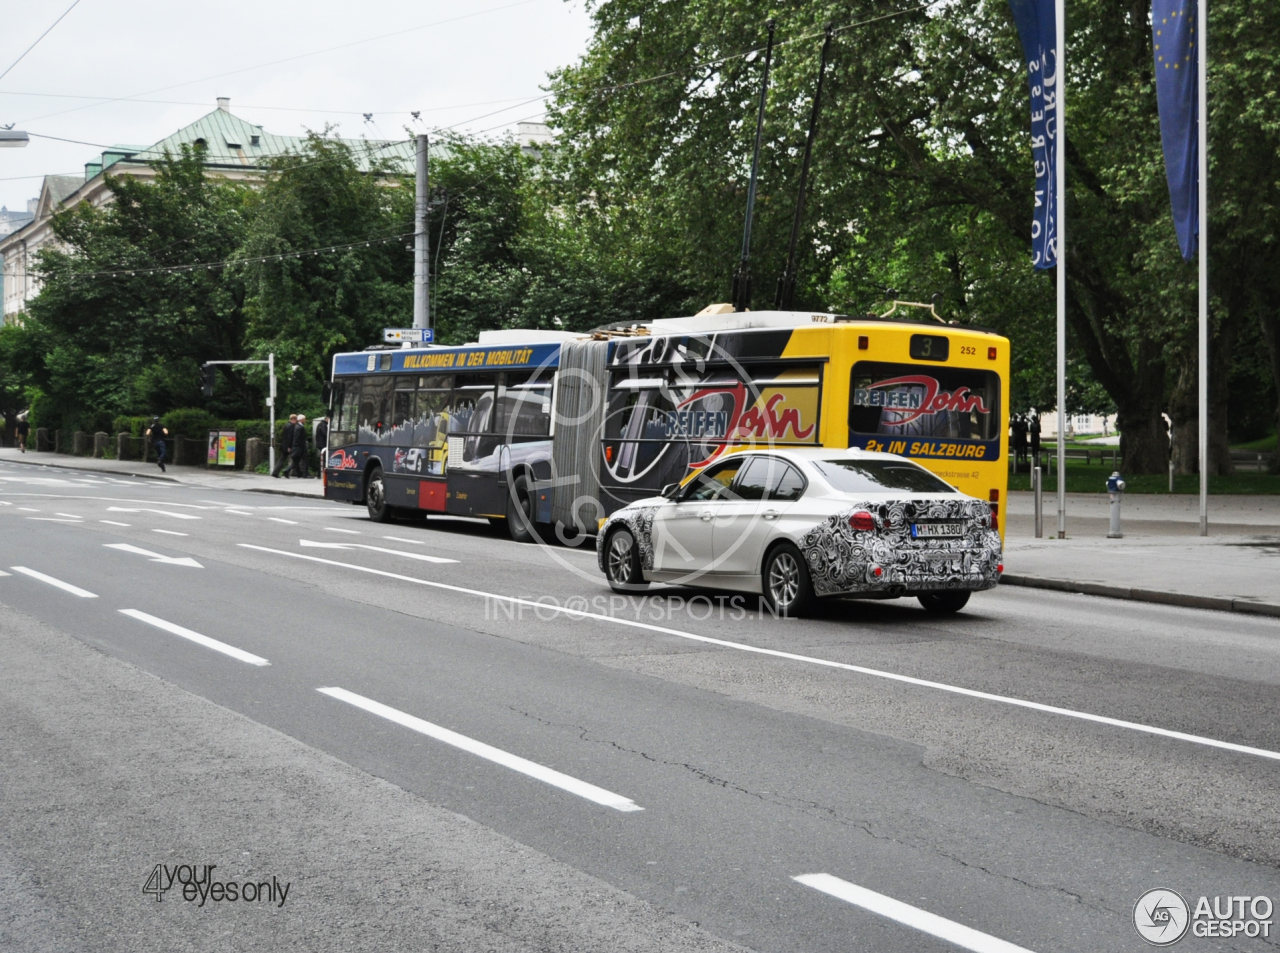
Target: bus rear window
[{"x": 913, "y": 400}]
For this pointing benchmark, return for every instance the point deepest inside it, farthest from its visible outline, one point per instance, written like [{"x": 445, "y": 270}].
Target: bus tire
[
  {"x": 520, "y": 510},
  {"x": 375, "y": 496},
  {"x": 944, "y": 603},
  {"x": 786, "y": 583}
]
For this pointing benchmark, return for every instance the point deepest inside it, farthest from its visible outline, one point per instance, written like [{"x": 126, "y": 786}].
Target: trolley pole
[
  {"x": 421, "y": 242},
  {"x": 271, "y": 409}
]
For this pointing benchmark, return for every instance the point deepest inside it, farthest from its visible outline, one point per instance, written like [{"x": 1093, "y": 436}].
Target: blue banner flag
[
  {"x": 1038, "y": 30},
  {"x": 1173, "y": 34}
]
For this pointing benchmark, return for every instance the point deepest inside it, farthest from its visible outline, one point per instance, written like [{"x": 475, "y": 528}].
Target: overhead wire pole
[
  {"x": 421, "y": 242},
  {"x": 1060, "y": 187},
  {"x": 742, "y": 278},
  {"x": 1202, "y": 157},
  {"x": 787, "y": 283}
]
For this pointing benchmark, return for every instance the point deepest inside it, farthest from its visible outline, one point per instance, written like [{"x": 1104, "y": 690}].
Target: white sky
[{"x": 454, "y": 72}]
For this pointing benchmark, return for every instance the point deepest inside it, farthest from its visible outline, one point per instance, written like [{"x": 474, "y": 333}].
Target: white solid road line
[
  {"x": 334, "y": 529},
  {"x": 808, "y": 659},
  {"x": 113, "y": 523},
  {"x": 65, "y": 586},
  {"x": 69, "y": 515},
  {"x": 51, "y": 519},
  {"x": 27, "y": 509},
  {"x": 155, "y": 557},
  {"x": 197, "y": 638},
  {"x": 904, "y": 913},
  {"x": 170, "y": 532},
  {"x": 401, "y": 539},
  {"x": 277, "y": 519},
  {"x": 3, "y": 573},
  {"x": 480, "y": 749},
  {"x": 421, "y": 557}
]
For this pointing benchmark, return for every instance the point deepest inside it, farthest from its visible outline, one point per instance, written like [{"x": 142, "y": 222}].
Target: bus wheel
[
  {"x": 375, "y": 497},
  {"x": 520, "y": 511},
  {"x": 943, "y": 603}
]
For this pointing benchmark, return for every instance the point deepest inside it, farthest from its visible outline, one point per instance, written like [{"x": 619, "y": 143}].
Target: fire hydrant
[{"x": 1115, "y": 490}]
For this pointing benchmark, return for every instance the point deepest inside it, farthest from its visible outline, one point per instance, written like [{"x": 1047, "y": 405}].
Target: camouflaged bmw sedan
[{"x": 804, "y": 524}]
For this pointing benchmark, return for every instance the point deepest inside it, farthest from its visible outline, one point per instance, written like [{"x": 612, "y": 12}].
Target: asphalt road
[{"x": 573, "y": 770}]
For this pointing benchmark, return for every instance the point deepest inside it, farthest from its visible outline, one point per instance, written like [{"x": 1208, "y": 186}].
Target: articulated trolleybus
[{"x": 532, "y": 428}]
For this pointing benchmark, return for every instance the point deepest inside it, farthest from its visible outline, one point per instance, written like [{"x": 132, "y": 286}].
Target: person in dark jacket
[
  {"x": 1034, "y": 430},
  {"x": 298, "y": 448},
  {"x": 322, "y": 441},
  {"x": 21, "y": 431},
  {"x": 286, "y": 444},
  {"x": 158, "y": 434}
]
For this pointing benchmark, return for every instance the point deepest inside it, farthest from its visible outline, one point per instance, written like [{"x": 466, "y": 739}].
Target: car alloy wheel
[
  {"x": 622, "y": 562},
  {"x": 786, "y": 581}
]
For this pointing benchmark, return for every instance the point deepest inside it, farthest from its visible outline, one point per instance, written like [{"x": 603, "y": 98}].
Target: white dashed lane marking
[
  {"x": 480, "y": 749},
  {"x": 196, "y": 637},
  {"x": 58, "y": 583},
  {"x": 904, "y": 913}
]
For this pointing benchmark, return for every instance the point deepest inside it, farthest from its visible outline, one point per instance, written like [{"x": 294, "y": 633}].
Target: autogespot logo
[{"x": 1161, "y": 917}]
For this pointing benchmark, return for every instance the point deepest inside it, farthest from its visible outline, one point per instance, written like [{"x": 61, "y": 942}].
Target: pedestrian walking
[
  {"x": 158, "y": 434},
  {"x": 322, "y": 442},
  {"x": 286, "y": 443},
  {"x": 1019, "y": 442},
  {"x": 298, "y": 448},
  {"x": 22, "y": 431}
]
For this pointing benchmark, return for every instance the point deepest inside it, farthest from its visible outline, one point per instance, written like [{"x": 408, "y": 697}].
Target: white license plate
[{"x": 934, "y": 530}]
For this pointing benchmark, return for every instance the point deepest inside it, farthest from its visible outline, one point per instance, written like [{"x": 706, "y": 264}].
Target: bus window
[
  {"x": 402, "y": 413},
  {"x": 523, "y": 408},
  {"x": 911, "y": 400},
  {"x": 346, "y": 410},
  {"x": 375, "y": 410}
]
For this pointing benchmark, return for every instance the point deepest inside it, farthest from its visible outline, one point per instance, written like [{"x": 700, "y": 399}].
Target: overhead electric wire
[
  {"x": 39, "y": 38},
  {"x": 288, "y": 59},
  {"x": 290, "y": 109}
]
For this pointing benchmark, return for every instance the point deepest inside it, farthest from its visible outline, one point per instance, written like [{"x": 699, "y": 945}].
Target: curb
[
  {"x": 1216, "y": 603},
  {"x": 84, "y": 469},
  {"x": 162, "y": 479}
]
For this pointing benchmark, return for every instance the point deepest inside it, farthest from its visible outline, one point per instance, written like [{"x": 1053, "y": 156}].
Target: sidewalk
[
  {"x": 1162, "y": 557},
  {"x": 184, "y": 476}
]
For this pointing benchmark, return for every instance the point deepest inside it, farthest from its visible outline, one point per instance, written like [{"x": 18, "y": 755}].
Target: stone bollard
[
  {"x": 81, "y": 444},
  {"x": 100, "y": 445},
  {"x": 58, "y": 446},
  {"x": 42, "y": 439},
  {"x": 124, "y": 447},
  {"x": 255, "y": 453}
]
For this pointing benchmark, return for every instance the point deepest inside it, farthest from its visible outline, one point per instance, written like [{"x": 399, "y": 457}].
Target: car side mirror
[{"x": 670, "y": 490}]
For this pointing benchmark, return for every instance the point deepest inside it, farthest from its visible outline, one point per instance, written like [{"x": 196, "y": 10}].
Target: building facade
[{"x": 234, "y": 149}]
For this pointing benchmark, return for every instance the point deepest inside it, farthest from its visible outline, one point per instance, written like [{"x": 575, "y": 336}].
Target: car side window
[
  {"x": 753, "y": 481},
  {"x": 789, "y": 485},
  {"x": 713, "y": 482}
]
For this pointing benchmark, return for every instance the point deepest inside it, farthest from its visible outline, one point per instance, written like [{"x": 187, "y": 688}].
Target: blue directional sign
[{"x": 408, "y": 335}]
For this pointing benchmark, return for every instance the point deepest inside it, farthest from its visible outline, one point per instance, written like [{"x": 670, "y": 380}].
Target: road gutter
[{"x": 1182, "y": 599}]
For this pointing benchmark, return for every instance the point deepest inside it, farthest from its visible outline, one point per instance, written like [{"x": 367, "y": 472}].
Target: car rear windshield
[{"x": 874, "y": 476}]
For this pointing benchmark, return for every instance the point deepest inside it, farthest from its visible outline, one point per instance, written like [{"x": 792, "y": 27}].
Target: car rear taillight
[
  {"x": 862, "y": 522},
  {"x": 999, "y": 567}
]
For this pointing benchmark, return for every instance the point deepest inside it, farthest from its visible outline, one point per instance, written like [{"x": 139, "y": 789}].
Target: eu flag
[
  {"x": 1173, "y": 34},
  {"x": 1038, "y": 31}
]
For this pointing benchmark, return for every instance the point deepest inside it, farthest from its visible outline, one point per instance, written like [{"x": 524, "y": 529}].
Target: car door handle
[
  {"x": 771, "y": 514},
  {"x": 705, "y": 516}
]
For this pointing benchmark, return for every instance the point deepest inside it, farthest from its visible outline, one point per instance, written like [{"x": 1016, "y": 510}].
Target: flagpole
[
  {"x": 1060, "y": 210},
  {"x": 1202, "y": 160}
]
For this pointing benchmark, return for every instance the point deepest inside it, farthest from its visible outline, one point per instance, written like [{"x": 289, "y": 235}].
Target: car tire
[
  {"x": 622, "y": 562},
  {"x": 375, "y": 496},
  {"x": 785, "y": 582},
  {"x": 520, "y": 510},
  {"x": 944, "y": 603}
]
